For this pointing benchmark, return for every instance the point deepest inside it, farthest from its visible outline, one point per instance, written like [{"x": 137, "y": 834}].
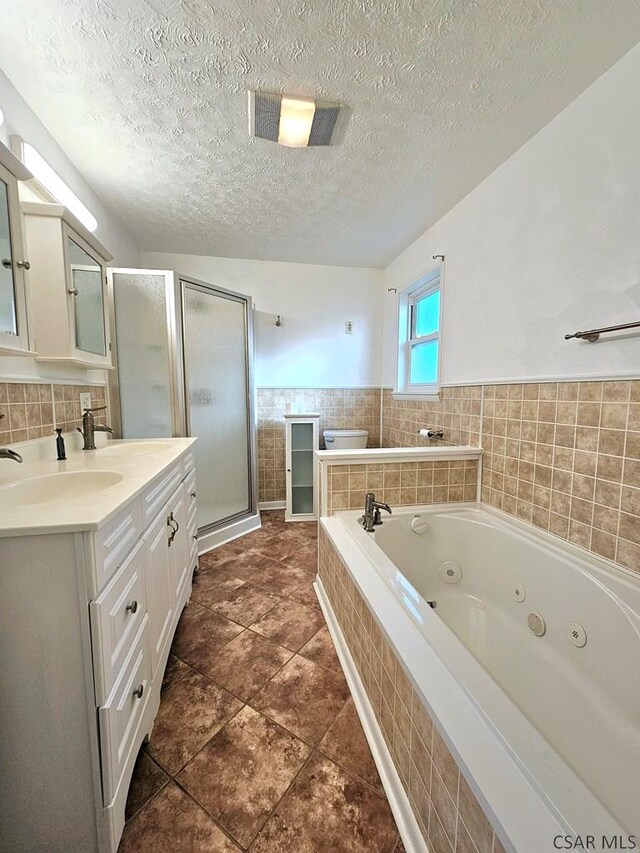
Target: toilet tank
[{"x": 345, "y": 439}]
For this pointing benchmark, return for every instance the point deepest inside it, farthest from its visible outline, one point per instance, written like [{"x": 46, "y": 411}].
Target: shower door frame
[{"x": 182, "y": 283}]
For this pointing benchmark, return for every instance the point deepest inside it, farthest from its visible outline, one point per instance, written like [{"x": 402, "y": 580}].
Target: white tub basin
[
  {"x": 134, "y": 448},
  {"x": 67, "y": 486}
]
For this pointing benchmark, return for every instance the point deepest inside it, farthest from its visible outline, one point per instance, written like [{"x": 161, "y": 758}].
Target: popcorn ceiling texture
[
  {"x": 148, "y": 99},
  {"x": 448, "y": 814},
  {"x": 33, "y": 410}
]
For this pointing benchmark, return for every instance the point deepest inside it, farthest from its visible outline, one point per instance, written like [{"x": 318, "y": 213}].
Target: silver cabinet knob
[
  {"x": 6, "y": 263},
  {"x": 23, "y": 265},
  {"x": 74, "y": 291},
  {"x": 195, "y": 538},
  {"x": 193, "y": 494},
  {"x": 133, "y": 606},
  {"x": 139, "y": 691}
]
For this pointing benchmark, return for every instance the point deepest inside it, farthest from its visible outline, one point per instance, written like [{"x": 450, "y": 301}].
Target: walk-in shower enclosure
[{"x": 184, "y": 366}]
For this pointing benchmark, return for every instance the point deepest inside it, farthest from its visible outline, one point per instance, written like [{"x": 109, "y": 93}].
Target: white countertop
[
  {"x": 398, "y": 454},
  {"x": 82, "y": 512}
]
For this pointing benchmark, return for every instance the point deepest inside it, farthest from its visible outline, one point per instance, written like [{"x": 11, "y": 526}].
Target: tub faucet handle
[{"x": 372, "y": 516}]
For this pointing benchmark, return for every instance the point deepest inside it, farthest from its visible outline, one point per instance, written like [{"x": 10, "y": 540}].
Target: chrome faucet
[
  {"x": 89, "y": 427},
  {"x": 6, "y": 453},
  {"x": 372, "y": 508}
]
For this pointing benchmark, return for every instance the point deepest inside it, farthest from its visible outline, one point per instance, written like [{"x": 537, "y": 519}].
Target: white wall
[
  {"x": 311, "y": 348},
  {"x": 547, "y": 244}
]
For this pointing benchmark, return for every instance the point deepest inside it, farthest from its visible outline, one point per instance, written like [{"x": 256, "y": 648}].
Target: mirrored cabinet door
[
  {"x": 86, "y": 278},
  {"x": 13, "y": 321}
]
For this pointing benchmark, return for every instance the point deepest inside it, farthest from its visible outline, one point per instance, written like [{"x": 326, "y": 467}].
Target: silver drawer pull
[
  {"x": 193, "y": 494},
  {"x": 195, "y": 537},
  {"x": 23, "y": 265},
  {"x": 133, "y": 606},
  {"x": 139, "y": 691}
]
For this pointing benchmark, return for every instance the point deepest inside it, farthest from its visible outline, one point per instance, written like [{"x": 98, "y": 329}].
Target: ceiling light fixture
[{"x": 294, "y": 122}]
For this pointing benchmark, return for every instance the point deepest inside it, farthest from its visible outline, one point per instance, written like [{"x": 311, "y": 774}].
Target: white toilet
[{"x": 345, "y": 439}]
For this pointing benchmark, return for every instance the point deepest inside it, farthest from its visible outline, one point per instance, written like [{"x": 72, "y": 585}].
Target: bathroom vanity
[{"x": 96, "y": 561}]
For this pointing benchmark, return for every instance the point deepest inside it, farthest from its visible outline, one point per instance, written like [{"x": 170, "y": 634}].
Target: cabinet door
[
  {"x": 86, "y": 280},
  {"x": 160, "y": 597},
  {"x": 178, "y": 542},
  {"x": 13, "y": 307},
  {"x": 301, "y": 470}
]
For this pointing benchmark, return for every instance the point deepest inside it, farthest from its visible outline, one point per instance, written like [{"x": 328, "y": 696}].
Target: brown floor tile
[
  {"x": 200, "y": 634},
  {"x": 217, "y": 581},
  {"x": 305, "y": 559},
  {"x": 249, "y": 566},
  {"x": 221, "y": 555},
  {"x": 171, "y": 821},
  {"x": 320, "y": 649},
  {"x": 346, "y": 744},
  {"x": 190, "y": 713},
  {"x": 280, "y": 579},
  {"x": 399, "y": 848},
  {"x": 175, "y": 670},
  {"x": 146, "y": 781},
  {"x": 325, "y": 810},
  {"x": 306, "y": 594},
  {"x": 304, "y": 697},
  {"x": 245, "y": 664},
  {"x": 277, "y": 547},
  {"x": 290, "y": 624},
  {"x": 243, "y": 605},
  {"x": 243, "y": 771}
]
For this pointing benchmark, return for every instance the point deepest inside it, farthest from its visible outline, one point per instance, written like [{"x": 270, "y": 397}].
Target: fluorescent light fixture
[
  {"x": 295, "y": 122},
  {"x": 54, "y": 184},
  {"x": 296, "y": 118}
]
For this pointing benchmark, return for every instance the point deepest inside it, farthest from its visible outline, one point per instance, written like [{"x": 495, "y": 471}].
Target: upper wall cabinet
[
  {"x": 14, "y": 326},
  {"x": 68, "y": 287}
]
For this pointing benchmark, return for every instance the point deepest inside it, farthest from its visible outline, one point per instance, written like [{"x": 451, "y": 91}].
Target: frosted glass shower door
[{"x": 215, "y": 330}]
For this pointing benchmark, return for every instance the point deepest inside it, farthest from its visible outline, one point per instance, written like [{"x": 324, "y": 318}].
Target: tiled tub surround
[
  {"x": 34, "y": 410},
  {"x": 339, "y": 408},
  {"x": 457, "y": 411},
  {"x": 448, "y": 814},
  {"x": 401, "y": 483},
  {"x": 566, "y": 458}
]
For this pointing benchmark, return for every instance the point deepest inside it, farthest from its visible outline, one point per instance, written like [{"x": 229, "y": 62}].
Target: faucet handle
[{"x": 94, "y": 409}]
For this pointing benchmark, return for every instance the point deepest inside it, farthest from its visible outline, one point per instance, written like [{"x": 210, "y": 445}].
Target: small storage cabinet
[
  {"x": 301, "y": 444},
  {"x": 69, "y": 285}
]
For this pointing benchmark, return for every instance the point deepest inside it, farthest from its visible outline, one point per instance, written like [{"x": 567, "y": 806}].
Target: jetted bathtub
[{"x": 527, "y": 651}]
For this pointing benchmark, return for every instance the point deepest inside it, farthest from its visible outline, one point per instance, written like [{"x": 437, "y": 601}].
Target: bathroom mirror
[
  {"x": 13, "y": 319},
  {"x": 86, "y": 287},
  {"x": 8, "y": 319}
]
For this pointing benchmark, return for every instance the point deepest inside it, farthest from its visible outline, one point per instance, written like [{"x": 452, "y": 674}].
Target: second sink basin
[
  {"x": 134, "y": 448},
  {"x": 68, "y": 486}
]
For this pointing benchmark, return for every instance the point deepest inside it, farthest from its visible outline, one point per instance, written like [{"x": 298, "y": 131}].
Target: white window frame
[{"x": 405, "y": 389}]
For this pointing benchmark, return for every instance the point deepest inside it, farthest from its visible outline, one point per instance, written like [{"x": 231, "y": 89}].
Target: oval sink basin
[
  {"x": 135, "y": 448},
  {"x": 67, "y": 486}
]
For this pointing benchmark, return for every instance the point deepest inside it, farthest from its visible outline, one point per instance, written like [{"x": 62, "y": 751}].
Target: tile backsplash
[
  {"x": 457, "y": 411},
  {"x": 34, "y": 409},
  {"x": 339, "y": 408}
]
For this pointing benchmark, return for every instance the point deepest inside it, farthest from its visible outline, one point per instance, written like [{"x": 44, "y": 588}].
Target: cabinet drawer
[
  {"x": 120, "y": 717},
  {"x": 116, "y": 616},
  {"x": 157, "y": 495},
  {"x": 114, "y": 541},
  {"x": 190, "y": 488},
  {"x": 188, "y": 462}
]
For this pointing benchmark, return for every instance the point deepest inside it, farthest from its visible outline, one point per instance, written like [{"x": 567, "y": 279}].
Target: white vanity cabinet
[
  {"x": 67, "y": 278},
  {"x": 86, "y": 624}
]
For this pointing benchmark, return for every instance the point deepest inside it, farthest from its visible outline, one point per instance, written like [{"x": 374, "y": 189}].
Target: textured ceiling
[{"x": 148, "y": 98}]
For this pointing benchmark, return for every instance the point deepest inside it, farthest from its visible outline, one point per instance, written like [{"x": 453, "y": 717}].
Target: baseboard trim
[
  {"x": 399, "y": 802},
  {"x": 209, "y": 541},
  {"x": 265, "y": 506}
]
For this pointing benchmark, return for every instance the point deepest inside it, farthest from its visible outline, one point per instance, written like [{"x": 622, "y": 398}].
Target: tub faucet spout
[{"x": 372, "y": 516}]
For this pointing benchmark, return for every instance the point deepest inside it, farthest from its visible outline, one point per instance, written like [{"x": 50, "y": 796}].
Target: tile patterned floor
[{"x": 257, "y": 745}]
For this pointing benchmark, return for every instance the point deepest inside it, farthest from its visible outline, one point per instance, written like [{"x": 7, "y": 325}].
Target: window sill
[{"x": 417, "y": 397}]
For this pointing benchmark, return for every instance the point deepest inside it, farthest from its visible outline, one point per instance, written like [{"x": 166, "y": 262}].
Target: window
[{"x": 419, "y": 337}]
